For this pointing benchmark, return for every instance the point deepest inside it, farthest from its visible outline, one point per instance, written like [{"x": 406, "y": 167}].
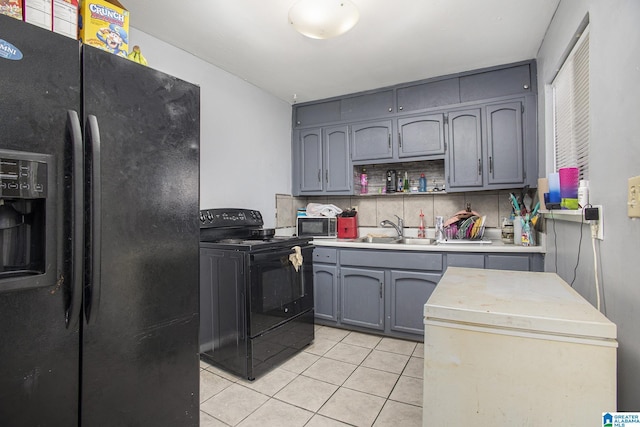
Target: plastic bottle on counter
[
  {"x": 583, "y": 193},
  {"x": 517, "y": 230},
  {"x": 364, "y": 182},
  {"x": 400, "y": 184},
  {"x": 421, "y": 230},
  {"x": 406, "y": 188},
  {"x": 422, "y": 188}
]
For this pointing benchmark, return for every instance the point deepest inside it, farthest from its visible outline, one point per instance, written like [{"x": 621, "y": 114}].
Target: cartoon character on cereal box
[{"x": 113, "y": 38}]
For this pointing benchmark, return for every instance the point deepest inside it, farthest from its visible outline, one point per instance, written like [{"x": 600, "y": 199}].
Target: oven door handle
[{"x": 277, "y": 253}]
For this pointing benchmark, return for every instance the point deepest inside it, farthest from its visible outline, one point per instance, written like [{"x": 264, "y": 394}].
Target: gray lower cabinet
[
  {"x": 323, "y": 165},
  {"x": 362, "y": 297},
  {"x": 385, "y": 290},
  {"x": 325, "y": 291},
  {"x": 409, "y": 291}
]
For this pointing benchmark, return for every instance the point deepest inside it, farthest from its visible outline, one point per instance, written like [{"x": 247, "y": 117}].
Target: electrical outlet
[
  {"x": 633, "y": 202},
  {"x": 599, "y": 223}
]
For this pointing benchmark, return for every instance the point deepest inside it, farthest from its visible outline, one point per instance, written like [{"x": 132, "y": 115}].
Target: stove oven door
[{"x": 278, "y": 292}]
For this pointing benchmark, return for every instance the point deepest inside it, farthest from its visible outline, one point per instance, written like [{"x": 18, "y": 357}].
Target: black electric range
[{"x": 256, "y": 292}]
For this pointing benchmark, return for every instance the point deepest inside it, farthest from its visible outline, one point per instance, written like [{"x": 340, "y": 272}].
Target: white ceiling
[{"x": 395, "y": 41}]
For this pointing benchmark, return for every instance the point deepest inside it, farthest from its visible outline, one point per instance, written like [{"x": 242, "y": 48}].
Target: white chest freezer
[{"x": 506, "y": 348}]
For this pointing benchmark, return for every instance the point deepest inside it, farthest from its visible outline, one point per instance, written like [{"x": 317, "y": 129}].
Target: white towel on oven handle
[{"x": 296, "y": 257}]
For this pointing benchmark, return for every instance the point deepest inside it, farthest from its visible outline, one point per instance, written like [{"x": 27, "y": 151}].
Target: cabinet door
[
  {"x": 377, "y": 104},
  {"x": 428, "y": 95},
  {"x": 490, "y": 84},
  {"x": 409, "y": 292},
  {"x": 505, "y": 149},
  {"x": 371, "y": 141},
  {"x": 310, "y": 160},
  {"x": 362, "y": 292},
  {"x": 465, "y": 149},
  {"x": 316, "y": 114},
  {"x": 325, "y": 291},
  {"x": 421, "y": 136},
  {"x": 337, "y": 167}
]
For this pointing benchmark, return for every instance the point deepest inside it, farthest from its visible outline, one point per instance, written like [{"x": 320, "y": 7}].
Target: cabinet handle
[
  {"x": 381, "y": 287},
  {"x": 326, "y": 175},
  {"x": 390, "y": 109},
  {"x": 399, "y": 139},
  {"x": 479, "y": 166},
  {"x": 389, "y": 141},
  {"x": 400, "y": 108},
  {"x": 526, "y": 86},
  {"x": 319, "y": 175},
  {"x": 490, "y": 164}
]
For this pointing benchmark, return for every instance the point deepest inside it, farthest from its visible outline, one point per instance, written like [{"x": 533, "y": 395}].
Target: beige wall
[{"x": 373, "y": 209}]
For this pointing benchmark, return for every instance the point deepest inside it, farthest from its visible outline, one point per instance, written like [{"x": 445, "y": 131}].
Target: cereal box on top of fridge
[
  {"x": 105, "y": 25},
  {"x": 38, "y": 12},
  {"x": 12, "y": 8},
  {"x": 65, "y": 17}
]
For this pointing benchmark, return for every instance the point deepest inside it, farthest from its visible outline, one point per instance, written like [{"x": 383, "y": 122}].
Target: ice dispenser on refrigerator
[{"x": 25, "y": 216}]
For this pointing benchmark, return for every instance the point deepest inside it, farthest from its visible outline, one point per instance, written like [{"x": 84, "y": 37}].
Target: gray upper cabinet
[
  {"x": 310, "y": 149},
  {"x": 377, "y": 104},
  {"x": 421, "y": 136},
  {"x": 505, "y": 149},
  {"x": 465, "y": 149},
  {"x": 316, "y": 114},
  {"x": 336, "y": 159},
  {"x": 492, "y": 84},
  {"x": 428, "y": 95},
  {"x": 323, "y": 161},
  {"x": 372, "y": 140}
]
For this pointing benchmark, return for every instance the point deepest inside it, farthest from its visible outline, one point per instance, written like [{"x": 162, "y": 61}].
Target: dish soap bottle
[
  {"x": 421, "y": 231},
  {"x": 423, "y": 184},
  {"x": 364, "y": 182},
  {"x": 406, "y": 188}
]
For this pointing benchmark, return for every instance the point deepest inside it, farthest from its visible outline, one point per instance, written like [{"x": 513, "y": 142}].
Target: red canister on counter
[{"x": 348, "y": 225}]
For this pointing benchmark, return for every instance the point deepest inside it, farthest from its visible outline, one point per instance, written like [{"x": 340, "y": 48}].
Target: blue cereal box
[{"x": 105, "y": 25}]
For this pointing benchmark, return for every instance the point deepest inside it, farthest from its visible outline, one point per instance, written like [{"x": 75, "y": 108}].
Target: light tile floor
[{"x": 342, "y": 378}]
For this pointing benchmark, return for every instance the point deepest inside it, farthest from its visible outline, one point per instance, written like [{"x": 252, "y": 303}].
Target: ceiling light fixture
[{"x": 323, "y": 19}]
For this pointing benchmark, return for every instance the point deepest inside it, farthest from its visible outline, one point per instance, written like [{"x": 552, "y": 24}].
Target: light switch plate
[{"x": 633, "y": 198}]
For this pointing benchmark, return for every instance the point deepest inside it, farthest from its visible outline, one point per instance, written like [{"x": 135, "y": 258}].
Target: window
[{"x": 571, "y": 109}]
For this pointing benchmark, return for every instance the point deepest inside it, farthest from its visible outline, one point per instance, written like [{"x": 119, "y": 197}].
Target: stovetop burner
[{"x": 240, "y": 229}]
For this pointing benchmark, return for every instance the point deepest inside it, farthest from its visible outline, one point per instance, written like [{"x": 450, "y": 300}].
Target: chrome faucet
[{"x": 399, "y": 227}]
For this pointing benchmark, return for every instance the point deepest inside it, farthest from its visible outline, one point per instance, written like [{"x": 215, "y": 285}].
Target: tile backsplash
[{"x": 374, "y": 208}]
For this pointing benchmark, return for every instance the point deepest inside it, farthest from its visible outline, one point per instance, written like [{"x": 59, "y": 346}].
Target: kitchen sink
[
  {"x": 415, "y": 241},
  {"x": 372, "y": 239},
  {"x": 395, "y": 240}
]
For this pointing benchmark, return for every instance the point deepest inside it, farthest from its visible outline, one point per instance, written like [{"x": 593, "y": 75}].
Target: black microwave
[{"x": 316, "y": 226}]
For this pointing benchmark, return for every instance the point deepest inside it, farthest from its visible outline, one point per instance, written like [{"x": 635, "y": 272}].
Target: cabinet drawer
[
  {"x": 327, "y": 255},
  {"x": 491, "y": 84},
  {"x": 465, "y": 260},
  {"x": 508, "y": 262},
  {"x": 392, "y": 260}
]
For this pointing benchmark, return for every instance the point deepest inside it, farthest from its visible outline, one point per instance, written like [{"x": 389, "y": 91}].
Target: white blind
[{"x": 571, "y": 109}]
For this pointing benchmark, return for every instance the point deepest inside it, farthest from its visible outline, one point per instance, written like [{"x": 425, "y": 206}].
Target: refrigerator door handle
[
  {"x": 72, "y": 313},
  {"x": 93, "y": 239}
]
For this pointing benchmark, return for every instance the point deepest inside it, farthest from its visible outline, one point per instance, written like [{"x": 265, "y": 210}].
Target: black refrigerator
[{"x": 99, "y": 237}]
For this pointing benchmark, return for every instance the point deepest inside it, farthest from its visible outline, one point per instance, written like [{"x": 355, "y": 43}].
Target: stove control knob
[
  {"x": 202, "y": 217},
  {"x": 209, "y": 216},
  {"x": 286, "y": 310}
]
